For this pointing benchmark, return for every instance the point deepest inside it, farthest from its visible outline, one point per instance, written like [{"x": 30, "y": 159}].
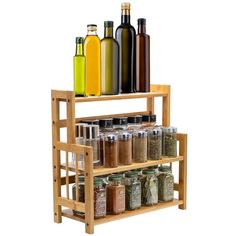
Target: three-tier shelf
[{"x": 66, "y": 173}]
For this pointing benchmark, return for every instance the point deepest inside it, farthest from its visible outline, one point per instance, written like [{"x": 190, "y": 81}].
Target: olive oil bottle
[
  {"x": 126, "y": 37},
  {"x": 79, "y": 68},
  {"x": 92, "y": 50},
  {"x": 142, "y": 58},
  {"x": 109, "y": 61}
]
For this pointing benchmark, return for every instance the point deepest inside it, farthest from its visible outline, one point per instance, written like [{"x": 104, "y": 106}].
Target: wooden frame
[{"x": 88, "y": 171}]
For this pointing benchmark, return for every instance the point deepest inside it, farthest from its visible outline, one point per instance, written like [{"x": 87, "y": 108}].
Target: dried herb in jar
[
  {"x": 99, "y": 198},
  {"x": 154, "y": 144},
  {"x": 169, "y": 141}
]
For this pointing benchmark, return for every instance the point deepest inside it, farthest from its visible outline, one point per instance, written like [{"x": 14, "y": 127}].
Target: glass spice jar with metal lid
[
  {"x": 165, "y": 184},
  {"x": 120, "y": 123},
  {"x": 115, "y": 195},
  {"x": 139, "y": 146},
  {"x": 99, "y": 198},
  {"x": 91, "y": 138},
  {"x": 81, "y": 193},
  {"x": 148, "y": 121},
  {"x": 132, "y": 190},
  {"x": 154, "y": 144},
  {"x": 111, "y": 150},
  {"x": 134, "y": 122},
  {"x": 149, "y": 185},
  {"x": 125, "y": 148},
  {"x": 169, "y": 141}
]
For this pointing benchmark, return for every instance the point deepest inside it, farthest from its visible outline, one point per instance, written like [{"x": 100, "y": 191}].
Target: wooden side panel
[{"x": 183, "y": 171}]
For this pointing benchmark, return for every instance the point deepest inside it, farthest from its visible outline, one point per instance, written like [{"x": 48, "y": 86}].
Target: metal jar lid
[
  {"x": 164, "y": 168},
  {"x": 120, "y": 120},
  {"x": 135, "y": 119},
  {"x": 91, "y": 122},
  {"x": 140, "y": 134},
  {"x": 149, "y": 172},
  {"x": 111, "y": 138},
  {"x": 105, "y": 123},
  {"x": 155, "y": 131},
  {"x": 125, "y": 136},
  {"x": 91, "y": 131}
]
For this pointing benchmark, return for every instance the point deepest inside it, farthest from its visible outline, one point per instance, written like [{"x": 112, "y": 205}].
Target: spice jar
[
  {"x": 115, "y": 195},
  {"x": 132, "y": 191},
  {"x": 105, "y": 125},
  {"x": 169, "y": 141},
  {"x": 90, "y": 122},
  {"x": 149, "y": 185},
  {"x": 165, "y": 184},
  {"x": 111, "y": 151},
  {"x": 81, "y": 191},
  {"x": 140, "y": 146},
  {"x": 101, "y": 137},
  {"x": 120, "y": 123},
  {"x": 148, "y": 121},
  {"x": 91, "y": 138},
  {"x": 125, "y": 148},
  {"x": 154, "y": 144},
  {"x": 99, "y": 198},
  {"x": 134, "y": 122}
]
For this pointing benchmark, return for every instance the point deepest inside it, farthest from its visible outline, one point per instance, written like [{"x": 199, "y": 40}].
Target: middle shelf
[{"x": 105, "y": 171}]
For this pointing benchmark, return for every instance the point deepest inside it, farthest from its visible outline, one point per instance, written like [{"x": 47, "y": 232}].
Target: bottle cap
[
  {"x": 79, "y": 39},
  {"x": 98, "y": 181},
  {"x": 131, "y": 174},
  {"x": 111, "y": 137},
  {"x": 149, "y": 172},
  {"x": 153, "y": 118},
  {"x": 106, "y": 123},
  {"x": 91, "y": 122},
  {"x": 115, "y": 177},
  {"x": 141, "y": 21},
  {"x": 108, "y": 23},
  {"x": 92, "y": 27},
  {"x": 140, "y": 133},
  {"x": 125, "y": 6},
  {"x": 164, "y": 168},
  {"x": 155, "y": 131},
  {"x": 120, "y": 121},
  {"x": 135, "y": 119},
  {"x": 125, "y": 136},
  {"x": 146, "y": 118},
  {"x": 91, "y": 131}
]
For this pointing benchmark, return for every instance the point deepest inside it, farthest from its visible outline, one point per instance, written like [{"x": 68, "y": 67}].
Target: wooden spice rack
[{"x": 64, "y": 205}]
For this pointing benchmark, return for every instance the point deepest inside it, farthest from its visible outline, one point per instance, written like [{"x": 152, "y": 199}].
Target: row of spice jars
[{"x": 117, "y": 193}]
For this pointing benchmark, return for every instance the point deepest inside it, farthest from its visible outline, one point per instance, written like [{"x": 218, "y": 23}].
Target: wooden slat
[
  {"x": 104, "y": 171},
  {"x": 89, "y": 192},
  {"x": 75, "y": 148},
  {"x": 74, "y": 205},
  {"x": 76, "y": 178},
  {"x": 69, "y": 214},
  {"x": 183, "y": 170},
  {"x": 176, "y": 186},
  {"x": 71, "y": 180},
  {"x": 67, "y": 177},
  {"x": 59, "y": 94},
  {"x": 142, "y": 210},
  {"x": 56, "y": 156}
]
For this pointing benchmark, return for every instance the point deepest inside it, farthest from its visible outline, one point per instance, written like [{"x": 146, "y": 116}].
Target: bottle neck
[
  {"x": 142, "y": 29},
  {"x": 108, "y": 32},
  {"x": 92, "y": 32},
  {"x": 125, "y": 16},
  {"x": 79, "y": 49}
]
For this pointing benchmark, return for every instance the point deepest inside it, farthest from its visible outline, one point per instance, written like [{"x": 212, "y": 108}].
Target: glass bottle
[
  {"x": 139, "y": 146},
  {"x": 91, "y": 138},
  {"x": 100, "y": 207},
  {"x": 92, "y": 50},
  {"x": 125, "y": 35},
  {"x": 149, "y": 185},
  {"x": 165, "y": 184},
  {"x": 169, "y": 141},
  {"x": 125, "y": 148},
  {"x": 132, "y": 190},
  {"x": 154, "y": 144},
  {"x": 115, "y": 195},
  {"x": 109, "y": 61},
  {"x": 120, "y": 123},
  {"x": 142, "y": 58},
  {"x": 79, "y": 68}
]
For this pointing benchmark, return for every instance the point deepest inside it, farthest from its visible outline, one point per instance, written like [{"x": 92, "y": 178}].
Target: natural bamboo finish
[{"x": 88, "y": 171}]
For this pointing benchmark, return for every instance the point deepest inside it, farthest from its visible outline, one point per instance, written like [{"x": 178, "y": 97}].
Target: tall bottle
[
  {"x": 142, "y": 58},
  {"x": 79, "y": 68},
  {"x": 125, "y": 35},
  {"x": 109, "y": 61},
  {"x": 92, "y": 50}
]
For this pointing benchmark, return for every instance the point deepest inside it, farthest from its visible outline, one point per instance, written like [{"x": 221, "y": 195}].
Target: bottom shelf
[{"x": 69, "y": 214}]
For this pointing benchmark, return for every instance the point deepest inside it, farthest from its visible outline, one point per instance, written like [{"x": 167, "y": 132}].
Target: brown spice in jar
[
  {"x": 111, "y": 151},
  {"x": 125, "y": 149}
]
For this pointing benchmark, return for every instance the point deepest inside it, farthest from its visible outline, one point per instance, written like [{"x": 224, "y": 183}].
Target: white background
[{"x": 193, "y": 48}]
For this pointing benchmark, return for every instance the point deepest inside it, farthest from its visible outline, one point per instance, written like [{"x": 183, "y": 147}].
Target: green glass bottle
[
  {"x": 126, "y": 37},
  {"x": 79, "y": 68},
  {"x": 109, "y": 61}
]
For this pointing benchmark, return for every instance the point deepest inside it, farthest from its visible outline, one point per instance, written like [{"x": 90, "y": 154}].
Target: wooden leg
[
  {"x": 89, "y": 192},
  {"x": 183, "y": 171},
  {"x": 56, "y": 158}
]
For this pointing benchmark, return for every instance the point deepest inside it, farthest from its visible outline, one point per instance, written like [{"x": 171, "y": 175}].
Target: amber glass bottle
[
  {"x": 109, "y": 61},
  {"x": 142, "y": 58},
  {"x": 92, "y": 50},
  {"x": 125, "y": 35}
]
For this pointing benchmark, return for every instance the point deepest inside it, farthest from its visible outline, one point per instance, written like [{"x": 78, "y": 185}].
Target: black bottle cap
[
  {"x": 79, "y": 39},
  {"x": 91, "y": 122},
  {"x": 146, "y": 118},
  {"x": 141, "y": 21},
  {"x": 120, "y": 121},
  {"x": 108, "y": 23},
  {"x": 105, "y": 123},
  {"x": 153, "y": 118},
  {"x": 91, "y": 25},
  {"x": 135, "y": 119}
]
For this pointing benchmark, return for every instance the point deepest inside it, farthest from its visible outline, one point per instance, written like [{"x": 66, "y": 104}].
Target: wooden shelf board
[
  {"x": 104, "y": 171},
  {"x": 120, "y": 96},
  {"x": 144, "y": 209}
]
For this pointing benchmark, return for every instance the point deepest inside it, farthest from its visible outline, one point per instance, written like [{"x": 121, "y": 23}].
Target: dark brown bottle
[{"x": 142, "y": 58}]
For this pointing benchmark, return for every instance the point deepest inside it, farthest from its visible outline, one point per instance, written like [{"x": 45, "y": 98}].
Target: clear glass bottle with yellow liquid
[{"x": 92, "y": 50}]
